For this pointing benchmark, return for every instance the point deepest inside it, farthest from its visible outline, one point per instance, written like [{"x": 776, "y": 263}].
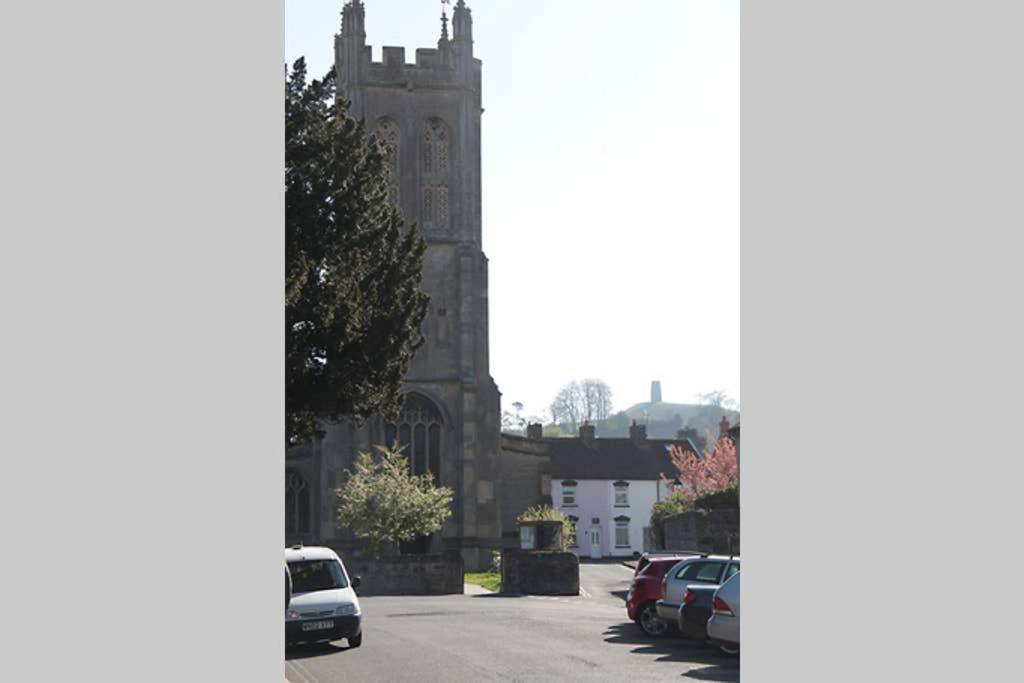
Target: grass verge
[{"x": 489, "y": 580}]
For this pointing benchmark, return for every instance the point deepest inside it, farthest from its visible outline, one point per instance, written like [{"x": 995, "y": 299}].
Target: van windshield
[{"x": 316, "y": 575}]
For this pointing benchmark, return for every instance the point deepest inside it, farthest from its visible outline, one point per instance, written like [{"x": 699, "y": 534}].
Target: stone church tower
[{"x": 428, "y": 113}]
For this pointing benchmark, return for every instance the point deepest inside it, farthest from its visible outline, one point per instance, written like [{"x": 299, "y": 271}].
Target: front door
[{"x": 595, "y": 542}]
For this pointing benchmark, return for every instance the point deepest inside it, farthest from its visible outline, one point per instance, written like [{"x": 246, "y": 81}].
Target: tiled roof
[{"x": 613, "y": 458}]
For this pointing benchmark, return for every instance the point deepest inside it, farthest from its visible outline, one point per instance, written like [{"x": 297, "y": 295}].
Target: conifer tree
[{"x": 353, "y": 302}]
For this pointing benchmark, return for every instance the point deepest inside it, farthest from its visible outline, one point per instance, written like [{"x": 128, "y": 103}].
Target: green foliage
[
  {"x": 489, "y": 580},
  {"x": 726, "y": 498},
  {"x": 554, "y": 431},
  {"x": 382, "y": 501},
  {"x": 353, "y": 303},
  {"x": 674, "y": 504},
  {"x": 546, "y": 513}
]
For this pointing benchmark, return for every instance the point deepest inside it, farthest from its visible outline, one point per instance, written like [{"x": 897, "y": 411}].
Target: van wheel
[{"x": 355, "y": 641}]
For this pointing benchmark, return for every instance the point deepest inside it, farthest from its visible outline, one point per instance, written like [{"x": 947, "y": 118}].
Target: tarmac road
[{"x": 496, "y": 638}]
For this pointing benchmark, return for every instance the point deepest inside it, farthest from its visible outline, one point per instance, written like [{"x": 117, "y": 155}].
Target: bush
[
  {"x": 676, "y": 503},
  {"x": 726, "y": 498},
  {"x": 546, "y": 513},
  {"x": 383, "y": 501}
]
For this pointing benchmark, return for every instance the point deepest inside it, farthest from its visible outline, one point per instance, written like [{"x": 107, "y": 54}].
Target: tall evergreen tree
[{"x": 353, "y": 302}]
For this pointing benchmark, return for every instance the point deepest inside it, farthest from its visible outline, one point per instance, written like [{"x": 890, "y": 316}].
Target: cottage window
[
  {"x": 622, "y": 532},
  {"x": 621, "y": 494},
  {"x": 568, "y": 494},
  {"x": 572, "y": 531}
]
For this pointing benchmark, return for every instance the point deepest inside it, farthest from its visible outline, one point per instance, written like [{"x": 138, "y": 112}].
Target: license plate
[{"x": 317, "y": 625}]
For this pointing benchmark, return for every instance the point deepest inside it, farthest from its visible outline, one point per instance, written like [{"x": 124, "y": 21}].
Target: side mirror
[{"x": 356, "y": 581}]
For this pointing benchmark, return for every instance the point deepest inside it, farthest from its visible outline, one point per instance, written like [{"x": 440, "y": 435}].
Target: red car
[{"x": 645, "y": 591}]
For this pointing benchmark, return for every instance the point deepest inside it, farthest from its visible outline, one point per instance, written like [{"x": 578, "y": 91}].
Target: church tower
[{"x": 428, "y": 113}]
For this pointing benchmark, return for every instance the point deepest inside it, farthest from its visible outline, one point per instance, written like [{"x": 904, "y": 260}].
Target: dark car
[
  {"x": 695, "y": 612},
  {"x": 645, "y": 591}
]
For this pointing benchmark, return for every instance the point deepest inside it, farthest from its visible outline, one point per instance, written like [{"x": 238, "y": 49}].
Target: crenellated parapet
[{"x": 451, "y": 64}]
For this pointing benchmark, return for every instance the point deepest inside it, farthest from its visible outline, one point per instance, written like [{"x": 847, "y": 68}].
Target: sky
[{"x": 611, "y": 159}]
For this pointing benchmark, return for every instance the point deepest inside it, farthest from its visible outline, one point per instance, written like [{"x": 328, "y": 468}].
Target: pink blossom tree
[{"x": 698, "y": 475}]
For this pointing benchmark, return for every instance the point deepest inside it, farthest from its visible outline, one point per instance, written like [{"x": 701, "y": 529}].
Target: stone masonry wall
[
  {"x": 408, "y": 574},
  {"x": 523, "y": 482},
  {"x": 715, "y": 531},
  {"x": 539, "y": 573}
]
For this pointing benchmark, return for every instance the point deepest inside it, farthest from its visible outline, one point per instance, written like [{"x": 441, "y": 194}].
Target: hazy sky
[{"x": 610, "y": 184}]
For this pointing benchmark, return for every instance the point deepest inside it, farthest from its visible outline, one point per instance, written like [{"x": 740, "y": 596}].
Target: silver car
[
  {"x": 705, "y": 570},
  {"x": 724, "y": 624}
]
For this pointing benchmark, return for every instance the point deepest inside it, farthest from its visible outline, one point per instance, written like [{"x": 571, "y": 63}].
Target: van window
[{"x": 316, "y": 575}]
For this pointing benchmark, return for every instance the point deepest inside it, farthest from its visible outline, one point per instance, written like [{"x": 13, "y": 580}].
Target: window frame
[
  {"x": 622, "y": 524},
  {"x": 620, "y": 488},
  {"x": 569, "y": 487}
]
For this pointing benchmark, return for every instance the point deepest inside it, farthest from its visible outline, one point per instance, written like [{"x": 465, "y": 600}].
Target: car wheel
[
  {"x": 730, "y": 650},
  {"x": 649, "y": 621},
  {"x": 355, "y": 641}
]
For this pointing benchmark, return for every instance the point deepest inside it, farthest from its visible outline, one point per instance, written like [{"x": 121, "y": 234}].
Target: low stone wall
[
  {"x": 714, "y": 531},
  {"x": 539, "y": 573},
  {"x": 407, "y": 574}
]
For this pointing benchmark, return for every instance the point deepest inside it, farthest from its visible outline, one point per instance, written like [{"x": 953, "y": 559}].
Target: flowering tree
[
  {"x": 717, "y": 469},
  {"x": 383, "y": 501}
]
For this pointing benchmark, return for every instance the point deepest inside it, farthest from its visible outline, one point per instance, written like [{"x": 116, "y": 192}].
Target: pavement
[{"x": 490, "y": 637}]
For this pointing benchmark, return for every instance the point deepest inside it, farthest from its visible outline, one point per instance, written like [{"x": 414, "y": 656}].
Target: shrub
[
  {"x": 726, "y": 498},
  {"x": 383, "y": 501},
  {"x": 546, "y": 513}
]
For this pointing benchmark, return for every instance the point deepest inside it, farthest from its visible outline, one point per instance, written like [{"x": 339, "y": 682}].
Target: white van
[{"x": 323, "y": 605}]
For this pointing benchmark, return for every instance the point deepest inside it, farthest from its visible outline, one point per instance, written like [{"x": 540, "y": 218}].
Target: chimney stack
[
  {"x": 587, "y": 434},
  {"x": 723, "y": 427},
  {"x": 535, "y": 431},
  {"x": 638, "y": 433}
]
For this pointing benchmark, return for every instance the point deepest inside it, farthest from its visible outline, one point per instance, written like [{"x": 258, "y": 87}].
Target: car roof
[
  {"x": 717, "y": 558},
  {"x": 298, "y": 553}
]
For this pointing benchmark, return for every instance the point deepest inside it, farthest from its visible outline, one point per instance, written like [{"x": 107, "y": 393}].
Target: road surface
[{"x": 496, "y": 638}]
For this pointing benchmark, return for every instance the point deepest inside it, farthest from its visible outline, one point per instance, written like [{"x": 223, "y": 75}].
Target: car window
[
  {"x": 733, "y": 568},
  {"x": 711, "y": 572},
  {"x": 689, "y": 571},
  {"x": 316, "y": 575},
  {"x": 701, "y": 572}
]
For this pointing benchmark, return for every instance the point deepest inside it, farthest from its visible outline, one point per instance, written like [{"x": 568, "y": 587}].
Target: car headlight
[
  {"x": 291, "y": 614},
  {"x": 347, "y": 610}
]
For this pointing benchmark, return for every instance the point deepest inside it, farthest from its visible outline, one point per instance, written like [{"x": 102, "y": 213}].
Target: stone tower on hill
[
  {"x": 655, "y": 392},
  {"x": 428, "y": 114}
]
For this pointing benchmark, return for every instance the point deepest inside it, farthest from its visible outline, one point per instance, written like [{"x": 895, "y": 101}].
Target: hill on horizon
[{"x": 663, "y": 420}]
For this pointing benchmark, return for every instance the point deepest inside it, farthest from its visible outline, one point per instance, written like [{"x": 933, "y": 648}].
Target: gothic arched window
[
  {"x": 387, "y": 131},
  {"x": 296, "y": 502},
  {"x": 418, "y": 433},
  {"x": 436, "y": 168}
]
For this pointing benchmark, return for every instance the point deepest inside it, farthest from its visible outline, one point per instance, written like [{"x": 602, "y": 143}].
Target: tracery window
[
  {"x": 436, "y": 168},
  {"x": 418, "y": 433},
  {"x": 296, "y": 502}
]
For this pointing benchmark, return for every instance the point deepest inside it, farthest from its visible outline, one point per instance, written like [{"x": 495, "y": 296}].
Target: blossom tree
[{"x": 698, "y": 475}]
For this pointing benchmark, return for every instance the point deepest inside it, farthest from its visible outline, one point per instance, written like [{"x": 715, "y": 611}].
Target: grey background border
[
  {"x": 881, "y": 286},
  {"x": 142, "y": 266}
]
